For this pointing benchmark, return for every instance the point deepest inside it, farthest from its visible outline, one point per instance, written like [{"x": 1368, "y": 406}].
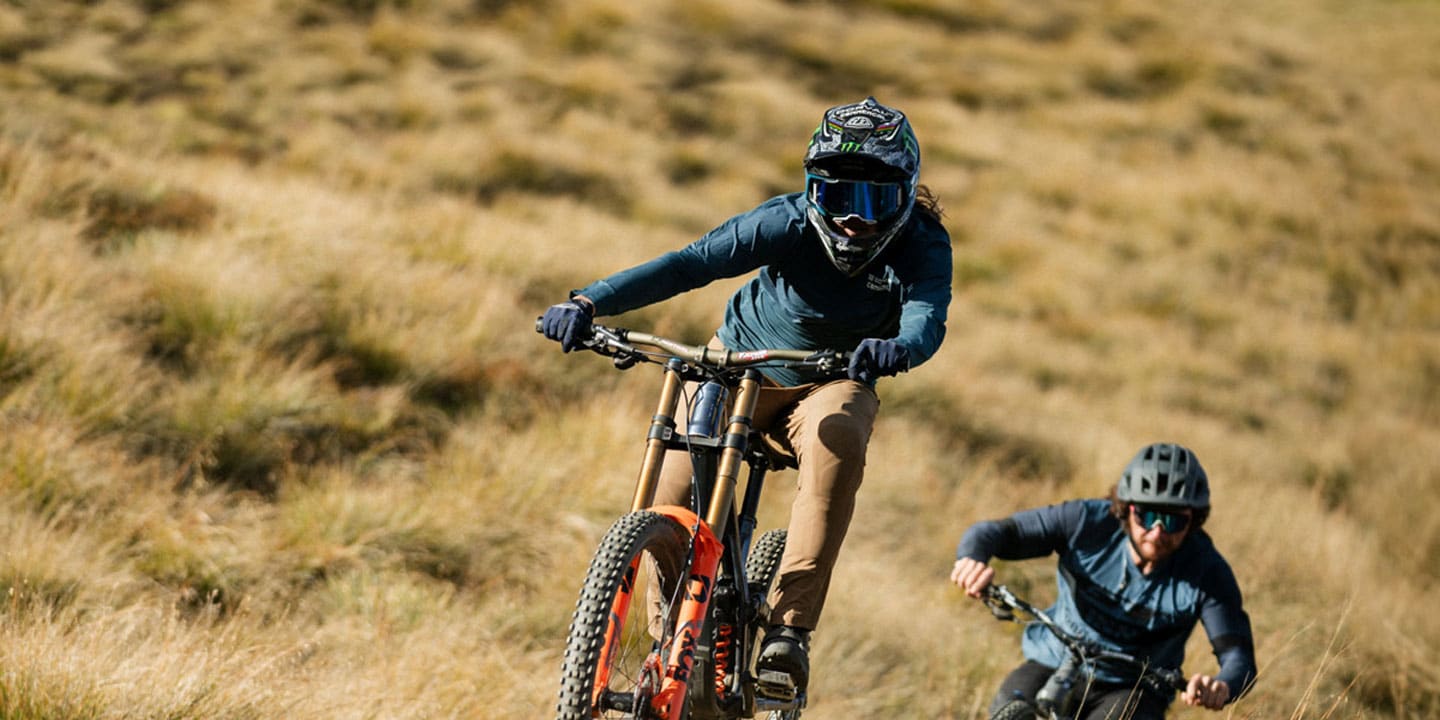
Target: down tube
[{"x": 669, "y": 702}]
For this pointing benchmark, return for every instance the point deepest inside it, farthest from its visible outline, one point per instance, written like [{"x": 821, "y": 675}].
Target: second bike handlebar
[{"x": 1003, "y": 604}]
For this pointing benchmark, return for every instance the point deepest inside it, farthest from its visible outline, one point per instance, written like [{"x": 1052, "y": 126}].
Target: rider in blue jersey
[
  {"x": 859, "y": 261},
  {"x": 1135, "y": 574},
  {"x": 799, "y": 299}
]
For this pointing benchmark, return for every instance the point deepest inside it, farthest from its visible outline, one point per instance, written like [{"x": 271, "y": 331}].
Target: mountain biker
[
  {"x": 859, "y": 261},
  {"x": 1136, "y": 572}
]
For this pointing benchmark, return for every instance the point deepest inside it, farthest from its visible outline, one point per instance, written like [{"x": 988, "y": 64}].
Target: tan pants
[{"x": 826, "y": 427}]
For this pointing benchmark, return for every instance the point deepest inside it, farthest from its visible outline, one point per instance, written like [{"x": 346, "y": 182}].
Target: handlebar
[
  {"x": 1004, "y": 604},
  {"x": 627, "y": 348}
]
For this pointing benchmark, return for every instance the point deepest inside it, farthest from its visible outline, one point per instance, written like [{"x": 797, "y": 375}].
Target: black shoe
[{"x": 783, "y": 668}]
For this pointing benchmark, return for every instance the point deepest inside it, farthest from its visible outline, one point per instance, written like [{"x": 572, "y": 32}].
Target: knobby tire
[
  {"x": 1016, "y": 710},
  {"x": 764, "y": 560},
  {"x": 760, "y": 568},
  {"x": 639, "y": 546}
]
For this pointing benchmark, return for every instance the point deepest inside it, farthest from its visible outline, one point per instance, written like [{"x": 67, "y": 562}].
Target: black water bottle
[{"x": 706, "y": 413}]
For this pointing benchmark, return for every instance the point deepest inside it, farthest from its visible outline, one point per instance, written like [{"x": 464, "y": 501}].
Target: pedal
[{"x": 776, "y": 685}]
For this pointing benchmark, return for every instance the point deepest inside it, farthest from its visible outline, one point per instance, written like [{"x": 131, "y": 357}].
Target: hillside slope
[{"x": 279, "y": 440}]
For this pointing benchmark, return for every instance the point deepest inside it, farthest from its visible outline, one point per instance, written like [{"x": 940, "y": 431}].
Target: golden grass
[{"x": 279, "y": 439}]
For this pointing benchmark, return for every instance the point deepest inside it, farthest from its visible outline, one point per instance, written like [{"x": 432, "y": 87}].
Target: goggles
[
  {"x": 870, "y": 201},
  {"x": 1169, "y": 522}
]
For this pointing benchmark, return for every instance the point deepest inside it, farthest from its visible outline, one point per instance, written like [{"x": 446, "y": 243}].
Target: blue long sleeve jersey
[
  {"x": 799, "y": 299},
  {"x": 1103, "y": 596}
]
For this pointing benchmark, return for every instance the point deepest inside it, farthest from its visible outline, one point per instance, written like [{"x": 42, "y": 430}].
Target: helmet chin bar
[
  {"x": 855, "y": 219},
  {"x": 853, "y": 262}
]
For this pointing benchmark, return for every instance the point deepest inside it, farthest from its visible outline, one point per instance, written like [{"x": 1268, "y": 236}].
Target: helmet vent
[{"x": 1165, "y": 474}]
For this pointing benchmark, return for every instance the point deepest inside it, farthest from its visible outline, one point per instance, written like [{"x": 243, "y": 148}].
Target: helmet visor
[{"x": 870, "y": 201}]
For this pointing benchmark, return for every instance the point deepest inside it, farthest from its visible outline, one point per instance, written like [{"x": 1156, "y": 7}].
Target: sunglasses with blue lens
[
  {"x": 870, "y": 201},
  {"x": 1169, "y": 522}
]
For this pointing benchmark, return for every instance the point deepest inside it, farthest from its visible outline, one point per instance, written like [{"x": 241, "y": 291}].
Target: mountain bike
[
  {"x": 686, "y": 650},
  {"x": 1063, "y": 692}
]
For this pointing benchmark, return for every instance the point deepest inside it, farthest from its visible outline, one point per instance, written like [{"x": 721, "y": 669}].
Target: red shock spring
[{"x": 724, "y": 635}]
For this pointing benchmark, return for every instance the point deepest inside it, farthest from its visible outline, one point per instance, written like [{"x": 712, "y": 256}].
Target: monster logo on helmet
[{"x": 862, "y": 165}]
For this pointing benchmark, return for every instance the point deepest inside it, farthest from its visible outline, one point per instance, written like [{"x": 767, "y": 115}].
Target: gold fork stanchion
[
  {"x": 737, "y": 434},
  {"x": 662, "y": 426}
]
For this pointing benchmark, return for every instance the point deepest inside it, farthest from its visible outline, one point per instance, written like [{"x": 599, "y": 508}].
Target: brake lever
[
  {"x": 998, "y": 600},
  {"x": 826, "y": 361},
  {"x": 1001, "y": 612},
  {"x": 612, "y": 344}
]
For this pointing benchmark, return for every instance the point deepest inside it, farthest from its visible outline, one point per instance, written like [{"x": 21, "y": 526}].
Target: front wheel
[
  {"x": 613, "y": 657},
  {"x": 1016, "y": 710}
]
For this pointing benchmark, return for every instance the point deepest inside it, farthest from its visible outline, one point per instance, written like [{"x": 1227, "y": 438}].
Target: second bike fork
[{"x": 706, "y": 548}]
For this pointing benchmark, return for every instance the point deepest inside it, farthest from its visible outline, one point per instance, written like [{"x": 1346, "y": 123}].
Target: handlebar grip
[
  {"x": 540, "y": 324},
  {"x": 1177, "y": 680}
]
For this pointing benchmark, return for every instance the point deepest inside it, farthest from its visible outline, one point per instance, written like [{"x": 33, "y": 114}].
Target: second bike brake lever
[
  {"x": 996, "y": 599},
  {"x": 1000, "y": 611}
]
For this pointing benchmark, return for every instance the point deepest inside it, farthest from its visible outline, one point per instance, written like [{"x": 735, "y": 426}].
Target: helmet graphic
[
  {"x": 862, "y": 165},
  {"x": 1165, "y": 474}
]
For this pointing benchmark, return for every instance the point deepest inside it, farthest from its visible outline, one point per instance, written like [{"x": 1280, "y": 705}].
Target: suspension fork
[
  {"x": 732, "y": 451},
  {"x": 662, "y": 428}
]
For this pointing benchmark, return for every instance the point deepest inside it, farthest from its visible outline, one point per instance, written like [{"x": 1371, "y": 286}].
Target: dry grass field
[{"x": 277, "y": 439}]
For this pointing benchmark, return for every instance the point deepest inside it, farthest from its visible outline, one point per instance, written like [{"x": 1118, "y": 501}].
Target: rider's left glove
[
  {"x": 874, "y": 359},
  {"x": 568, "y": 323}
]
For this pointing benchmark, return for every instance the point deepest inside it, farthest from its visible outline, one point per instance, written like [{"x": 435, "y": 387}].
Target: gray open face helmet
[
  {"x": 863, "y": 162},
  {"x": 1165, "y": 474}
]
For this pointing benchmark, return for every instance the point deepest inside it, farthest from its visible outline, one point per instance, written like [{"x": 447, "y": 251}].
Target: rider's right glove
[{"x": 568, "y": 323}]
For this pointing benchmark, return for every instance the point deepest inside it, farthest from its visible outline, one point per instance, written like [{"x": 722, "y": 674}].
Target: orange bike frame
[{"x": 669, "y": 701}]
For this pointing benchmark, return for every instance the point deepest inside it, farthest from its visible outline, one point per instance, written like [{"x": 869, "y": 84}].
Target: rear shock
[{"x": 724, "y": 646}]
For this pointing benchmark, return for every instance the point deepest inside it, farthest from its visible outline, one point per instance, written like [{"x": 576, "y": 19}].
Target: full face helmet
[
  {"x": 1165, "y": 474},
  {"x": 863, "y": 164}
]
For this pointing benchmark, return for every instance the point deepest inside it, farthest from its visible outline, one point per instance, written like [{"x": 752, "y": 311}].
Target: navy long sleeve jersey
[
  {"x": 799, "y": 299},
  {"x": 1103, "y": 596}
]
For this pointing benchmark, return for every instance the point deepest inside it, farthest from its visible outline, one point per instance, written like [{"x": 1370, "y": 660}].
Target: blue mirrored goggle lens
[
  {"x": 867, "y": 200},
  {"x": 1169, "y": 522}
]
